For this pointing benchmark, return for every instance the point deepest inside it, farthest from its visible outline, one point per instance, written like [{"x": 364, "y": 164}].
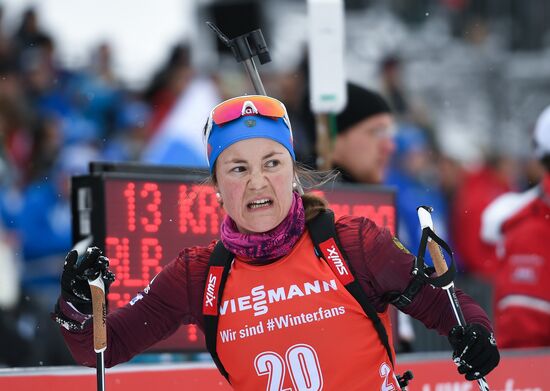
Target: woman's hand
[
  {"x": 77, "y": 270},
  {"x": 474, "y": 350}
]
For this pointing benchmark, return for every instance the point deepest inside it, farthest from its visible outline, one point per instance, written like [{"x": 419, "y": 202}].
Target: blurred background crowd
[{"x": 465, "y": 81}]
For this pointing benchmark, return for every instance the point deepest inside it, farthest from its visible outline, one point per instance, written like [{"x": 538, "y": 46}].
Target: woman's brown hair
[{"x": 308, "y": 179}]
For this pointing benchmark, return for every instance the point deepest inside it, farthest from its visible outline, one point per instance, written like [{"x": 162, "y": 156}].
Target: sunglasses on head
[{"x": 235, "y": 108}]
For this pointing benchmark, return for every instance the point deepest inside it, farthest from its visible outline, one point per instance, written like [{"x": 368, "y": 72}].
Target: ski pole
[
  {"x": 97, "y": 288},
  {"x": 425, "y": 218},
  {"x": 99, "y": 312}
]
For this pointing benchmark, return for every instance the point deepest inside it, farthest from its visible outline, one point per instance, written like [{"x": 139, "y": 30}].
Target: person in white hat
[{"x": 519, "y": 224}]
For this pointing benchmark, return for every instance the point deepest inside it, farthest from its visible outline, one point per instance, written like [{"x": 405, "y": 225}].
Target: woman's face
[{"x": 254, "y": 178}]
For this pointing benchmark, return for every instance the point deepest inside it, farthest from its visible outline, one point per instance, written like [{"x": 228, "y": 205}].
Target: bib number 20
[{"x": 302, "y": 363}]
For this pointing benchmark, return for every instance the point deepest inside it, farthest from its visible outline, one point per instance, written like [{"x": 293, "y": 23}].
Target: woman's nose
[{"x": 257, "y": 180}]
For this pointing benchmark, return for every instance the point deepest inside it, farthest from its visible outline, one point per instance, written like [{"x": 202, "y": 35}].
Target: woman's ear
[
  {"x": 218, "y": 194},
  {"x": 214, "y": 183},
  {"x": 297, "y": 185}
]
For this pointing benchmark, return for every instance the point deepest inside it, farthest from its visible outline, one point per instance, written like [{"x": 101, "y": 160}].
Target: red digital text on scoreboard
[
  {"x": 149, "y": 222},
  {"x": 197, "y": 208},
  {"x": 380, "y": 208}
]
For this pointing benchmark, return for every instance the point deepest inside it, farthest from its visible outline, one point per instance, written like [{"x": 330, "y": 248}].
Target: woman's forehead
[{"x": 252, "y": 148}]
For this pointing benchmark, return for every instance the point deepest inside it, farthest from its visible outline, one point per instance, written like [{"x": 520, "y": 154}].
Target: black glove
[
  {"x": 474, "y": 350},
  {"x": 77, "y": 270}
]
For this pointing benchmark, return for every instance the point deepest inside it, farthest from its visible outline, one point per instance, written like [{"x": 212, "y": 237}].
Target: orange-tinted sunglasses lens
[{"x": 232, "y": 109}]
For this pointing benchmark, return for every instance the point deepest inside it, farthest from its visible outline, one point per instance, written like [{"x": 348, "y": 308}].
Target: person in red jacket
[
  {"x": 478, "y": 189},
  {"x": 285, "y": 318},
  {"x": 519, "y": 224}
]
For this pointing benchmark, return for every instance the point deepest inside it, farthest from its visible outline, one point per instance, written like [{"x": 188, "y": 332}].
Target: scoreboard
[{"x": 143, "y": 216}]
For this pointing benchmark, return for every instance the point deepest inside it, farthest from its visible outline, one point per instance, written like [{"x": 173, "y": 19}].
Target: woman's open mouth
[{"x": 262, "y": 203}]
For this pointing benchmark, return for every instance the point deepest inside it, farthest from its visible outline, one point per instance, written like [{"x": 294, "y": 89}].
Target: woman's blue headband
[{"x": 247, "y": 127}]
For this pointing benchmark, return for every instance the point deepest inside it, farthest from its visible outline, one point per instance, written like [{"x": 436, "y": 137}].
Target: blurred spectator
[
  {"x": 29, "y": 34},
  {"x": 131, "y": 134},
  {"x": 6, "y": 47},
  {"x": 459, "y": 153},
  {"x": 519, "y": 224},
  {"x": 46, "y": 146},
  {"x": 364, "y": 142},
  {"x": 13, "y": 346},
  {"x": 168, "y": 84},
  {"x": 15, "y": 137},
  {"x": 10, "y": 176},
  {"x": 405, "y": 110},
  {"x": 392, "y": 85},
  {"x": 10, "y": 289},
  {"x": 44, "y": 223},
  {"x": 43, "y": 78},
  {"x": 95, "y": 93},
  {"x": 478, "y": 188},
  {"x": 414, "y": 175},
  {"x": 101, "y": 65},
  {"x": 27, "y": 335},
  {"x": 70, "y": 96}
]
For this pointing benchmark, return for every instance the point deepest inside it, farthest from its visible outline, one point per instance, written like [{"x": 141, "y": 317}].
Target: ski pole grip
[
  {"x": 437, "y": 257},
  {"x": 426, "y": 222},
  {"x": 97, "y": 288},
  {"x": 425, "y": 217}
]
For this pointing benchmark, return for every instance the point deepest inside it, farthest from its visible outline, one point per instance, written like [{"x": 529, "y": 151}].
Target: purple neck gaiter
[{"x": 269, "y": 245}]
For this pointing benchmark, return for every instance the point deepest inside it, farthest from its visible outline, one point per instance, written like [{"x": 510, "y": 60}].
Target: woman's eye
[
  {"x": 238, "y": 169},
  {"x": 272, "y": 163}
]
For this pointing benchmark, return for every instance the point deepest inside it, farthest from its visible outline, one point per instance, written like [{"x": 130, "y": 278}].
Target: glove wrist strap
[{"x": 69, "y": 317}]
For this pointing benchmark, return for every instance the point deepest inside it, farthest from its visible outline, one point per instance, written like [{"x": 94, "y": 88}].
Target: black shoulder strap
[
  {"x": 323, "y": 233},
  {"x": 219, "y": 266}
]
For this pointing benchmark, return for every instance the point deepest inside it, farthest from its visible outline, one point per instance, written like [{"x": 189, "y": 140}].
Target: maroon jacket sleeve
[
  {"x": 383, "y": 267},
  {"x": 173, "y": 298}
]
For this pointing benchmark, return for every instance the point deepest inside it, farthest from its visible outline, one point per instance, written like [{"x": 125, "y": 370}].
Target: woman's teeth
[{"x": 260, "y": 203}]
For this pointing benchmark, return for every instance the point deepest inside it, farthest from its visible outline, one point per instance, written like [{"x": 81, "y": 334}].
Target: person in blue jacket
[{"x": 414, "y": 176}]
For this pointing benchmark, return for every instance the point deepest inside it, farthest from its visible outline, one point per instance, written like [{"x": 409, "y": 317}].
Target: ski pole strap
[
  {"x": 325, "y": 239},
  {"x": 417, "y": 283},
  {"x": 422, "y": 273},
  {"x": 420, "y": 267},
  {"x": 219, "y": 266}
]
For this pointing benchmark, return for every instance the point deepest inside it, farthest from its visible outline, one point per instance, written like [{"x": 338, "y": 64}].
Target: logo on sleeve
[
  {"x": 400, "y": 246},
  {"x": 139, "y": 296},
  {"x": 335, "y": 260}
]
